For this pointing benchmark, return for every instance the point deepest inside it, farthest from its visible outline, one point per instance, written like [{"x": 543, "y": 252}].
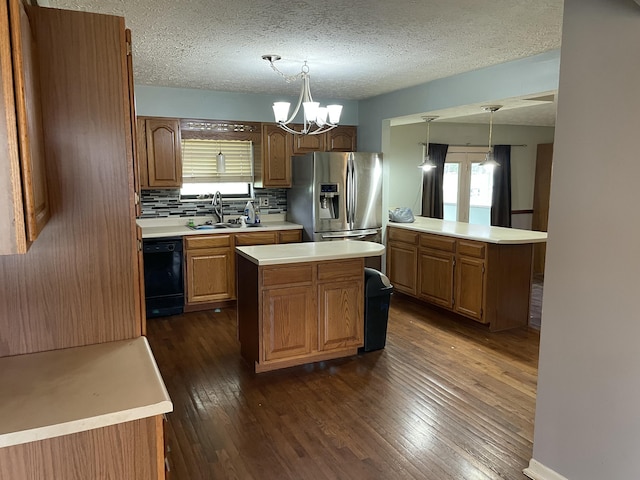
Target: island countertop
[
  {"x": 482, "y": 233},
  {"x": 280, "y": 254},
  {"x": 58, "y": 392}
]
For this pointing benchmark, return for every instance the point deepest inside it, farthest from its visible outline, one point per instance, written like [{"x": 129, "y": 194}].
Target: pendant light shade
[
  {"x": 427, "y": 164},
  {"x": 220, "y": 163},
  {"x": 490, "y": 159}
]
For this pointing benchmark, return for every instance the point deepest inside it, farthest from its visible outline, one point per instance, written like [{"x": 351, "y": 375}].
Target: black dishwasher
[{"x": 163, "y": 277}]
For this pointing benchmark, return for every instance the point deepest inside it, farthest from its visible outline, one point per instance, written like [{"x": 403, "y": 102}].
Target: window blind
[{"x": 199, "y": 160}]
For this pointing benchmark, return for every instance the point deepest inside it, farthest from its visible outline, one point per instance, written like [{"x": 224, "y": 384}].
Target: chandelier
[
  {"x": 490, "y": 159},
  {"x": 316, "y": 119},
  {"x": 427, "y": 164}
]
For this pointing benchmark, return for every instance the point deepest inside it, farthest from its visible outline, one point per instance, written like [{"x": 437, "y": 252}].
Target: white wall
[
  {"x": 406, "y": 153},
  {"x": 587, "y": 424}
]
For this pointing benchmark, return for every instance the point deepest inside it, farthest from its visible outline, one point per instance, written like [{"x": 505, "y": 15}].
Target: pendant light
[
  {"x": 427, "y": 164},
  {"x": 220, "y": 164},
  {"x": 490, "y": 159}
]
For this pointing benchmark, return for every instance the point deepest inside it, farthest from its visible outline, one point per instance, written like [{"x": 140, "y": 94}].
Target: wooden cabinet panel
[
  {"x": 288, "y": 321},
  {"x": 402, "y": 267},
  {"x": 436, "y": 277},
  {"x": 290, "y": 236},
  {"x": 285, "y": 275},
  {"x": 275, "y": 161},
  {"x": 342, "y": 139},
  {"x": 210, "y": 275},
  {"x": 207, "y": 241},
  {"x": 402, "y": 235},
  {"x": 470, "y": 287},
  {"x": 255, "y": 238},
  {"x": 472, "y": 249},
  {"x": 308, "y": 143},
  {"x": 340, "y": 314},
  {"x": 438, "y": 242},
  {"x": 24, "y": 210},
  {"x": 123, "y": 451},
  {"x": 164, "y": 160}
]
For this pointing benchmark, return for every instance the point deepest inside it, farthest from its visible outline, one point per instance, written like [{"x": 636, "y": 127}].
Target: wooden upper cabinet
[
  {"x": 308, "y": 143},
  {"x": 275, "y": 162},
  {"x": 24, "y": 210},
  {"x": 159, "y": 153},
  {"x": 342, "y": 139}
]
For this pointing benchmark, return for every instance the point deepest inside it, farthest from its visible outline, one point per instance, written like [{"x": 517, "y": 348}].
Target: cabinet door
[
  {"x": 25, "y": 208},
  {"x": 164, "y": 160},
  {"x": 402, "y": 267},
  {"x": 288, "y": 321},
  {"x": 435, "y": 269},
  {"x": 340, "y": 315},
  {"x": 276, "y": 157},
  {"x": 342, "y": 139},
  {"x": 470, "y": 279},
  {"x": 308, "y": 143},
  {"x": 210, "y": 275}
]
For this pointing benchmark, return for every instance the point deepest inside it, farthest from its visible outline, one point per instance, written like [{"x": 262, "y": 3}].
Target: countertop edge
[
  {"x": 315, "y": 257},
  {"x": 501, "y": 241},
  {"x": 84, "y": 424}
]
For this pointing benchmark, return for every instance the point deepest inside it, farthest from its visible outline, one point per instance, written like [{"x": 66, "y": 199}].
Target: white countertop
[
  {"x": 48, "y": 394},
  {"x": 469, "y": 231},
  {"x": 177, "y": 227},
  {"x": 281, "y": 254}
]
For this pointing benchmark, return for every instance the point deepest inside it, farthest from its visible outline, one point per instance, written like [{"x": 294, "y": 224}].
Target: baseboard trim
[{"x": 538, "y": 471}]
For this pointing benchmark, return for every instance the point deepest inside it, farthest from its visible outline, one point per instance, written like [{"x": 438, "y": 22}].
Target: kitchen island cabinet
[
  {"x": 302, "y": 302},
  {"x": 483, "y": 273}
]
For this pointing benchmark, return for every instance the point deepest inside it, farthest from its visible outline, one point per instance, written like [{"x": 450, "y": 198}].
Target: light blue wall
[
  {"x": 526, "y": 76},
  {"x": 207, "y": 104},
  {"x": 520, "y": 77}
]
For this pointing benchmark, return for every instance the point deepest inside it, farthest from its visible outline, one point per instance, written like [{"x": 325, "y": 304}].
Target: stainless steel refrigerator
[{"x": 337, "y": 196}]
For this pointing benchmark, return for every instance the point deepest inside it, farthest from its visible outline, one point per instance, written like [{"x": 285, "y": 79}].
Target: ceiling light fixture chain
[{"x": 316, "y": 119}]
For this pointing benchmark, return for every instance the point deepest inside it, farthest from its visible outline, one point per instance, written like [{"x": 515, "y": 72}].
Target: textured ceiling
[{"x": 355, "y": 48}]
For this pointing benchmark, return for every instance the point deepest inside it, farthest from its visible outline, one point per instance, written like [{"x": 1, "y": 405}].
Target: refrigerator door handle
[
  {"x": 348, "y": 192},
  {"x": 358, "y": 234}
]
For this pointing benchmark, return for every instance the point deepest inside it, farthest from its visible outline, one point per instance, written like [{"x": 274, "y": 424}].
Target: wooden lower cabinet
[
  {"x": 436, "y": 277},
  {"x": 300, "y": 313},
  {"x": 289, "y": 324},
  {"x": 489, "y": 283},
  {"x": 210, "y": 271},
  {"x": 126, "y": 451}
]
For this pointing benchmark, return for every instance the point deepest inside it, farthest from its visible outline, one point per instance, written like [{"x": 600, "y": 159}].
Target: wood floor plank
[{"x": 446, "y": 399}]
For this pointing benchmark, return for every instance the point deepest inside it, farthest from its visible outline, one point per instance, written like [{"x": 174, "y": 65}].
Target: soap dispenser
[{"x": 250, "y": 212}]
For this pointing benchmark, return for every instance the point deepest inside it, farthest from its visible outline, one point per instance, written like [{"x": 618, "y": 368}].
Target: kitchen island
[
  {"x": 481, "y": 272},
  {"x": 301, "y": 302}
]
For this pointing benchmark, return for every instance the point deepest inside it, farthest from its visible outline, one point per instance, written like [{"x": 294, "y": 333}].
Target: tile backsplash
[{"x": 166, "y": 203}]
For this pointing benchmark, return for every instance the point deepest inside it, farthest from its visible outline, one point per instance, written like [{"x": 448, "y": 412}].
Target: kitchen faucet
[{"x": 216, "y": 202}]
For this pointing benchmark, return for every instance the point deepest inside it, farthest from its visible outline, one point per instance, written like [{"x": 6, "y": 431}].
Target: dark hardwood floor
[{"x": 445, "y": 399}]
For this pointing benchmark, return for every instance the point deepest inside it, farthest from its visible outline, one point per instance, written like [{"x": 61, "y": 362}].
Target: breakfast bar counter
[{"x": 300, "y": 303}]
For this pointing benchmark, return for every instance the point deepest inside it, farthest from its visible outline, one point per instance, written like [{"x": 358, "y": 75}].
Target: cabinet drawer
[
  {"x": 472, "y": 249},
  {"x": 207, "y": 241},
  {"x": 341, "y": 270},
  {"x": 255, "y": 238},
  {"x": 437, "y": 242},
  {"x": 281, "y": 275},
  {"x": 400, "y": 235},
  {"x": 290, "y": 236}
]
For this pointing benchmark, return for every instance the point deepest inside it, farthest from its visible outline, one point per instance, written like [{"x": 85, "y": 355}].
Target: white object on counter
[
  {"x": 58, "y": 392},
  {"x": 469, "y": 231},
  {"x": 280, "y": 254}
]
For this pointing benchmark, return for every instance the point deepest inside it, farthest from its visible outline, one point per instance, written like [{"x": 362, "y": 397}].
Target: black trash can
[{"x": 377, "y": 296}]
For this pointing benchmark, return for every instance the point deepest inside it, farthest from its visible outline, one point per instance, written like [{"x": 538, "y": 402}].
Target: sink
[{"x": 213, "y": 226}]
